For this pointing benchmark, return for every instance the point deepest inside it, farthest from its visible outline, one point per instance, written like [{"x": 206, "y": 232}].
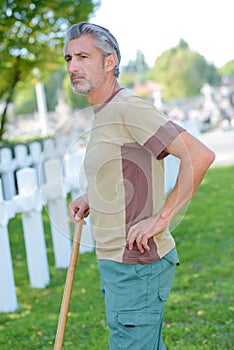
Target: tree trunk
[
  {"x": 4, "y": 113},
  {"x": 9, "y": 99}
]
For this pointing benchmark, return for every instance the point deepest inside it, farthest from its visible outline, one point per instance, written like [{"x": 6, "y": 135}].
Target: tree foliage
[
  {"x": 31, "y": 36},
  {"x": 136, "y": 71},
  {"x": 25, "y": 96},
  {"x": 182, "y": 72},
  {"x": 228, "y": 69}
]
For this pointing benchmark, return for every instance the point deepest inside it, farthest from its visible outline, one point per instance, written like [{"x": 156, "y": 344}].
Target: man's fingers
[
  {"x": 139, "y": 243},
  {"x": 77, "y": 217},
  {"x": 79, "y": 208},
  {"x": 145, "y": 241},
  {"x": 140, "y": 239},
  {"x": 132, "y": 235},
  {"x": 86, "y": 212}
]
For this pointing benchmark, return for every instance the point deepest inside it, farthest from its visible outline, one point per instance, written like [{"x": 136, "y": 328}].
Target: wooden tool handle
[{"x": 68, "y": 287}]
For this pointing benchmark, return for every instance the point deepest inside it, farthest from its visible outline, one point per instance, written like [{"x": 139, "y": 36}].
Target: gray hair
[{"x": 105, "y": 41}]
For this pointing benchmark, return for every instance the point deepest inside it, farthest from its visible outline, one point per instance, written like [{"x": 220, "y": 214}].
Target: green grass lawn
[{"x": 199, "y": 312}]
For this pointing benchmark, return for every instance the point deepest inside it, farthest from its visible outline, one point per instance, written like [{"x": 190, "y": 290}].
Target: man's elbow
[{"x": 208, "y": 158}]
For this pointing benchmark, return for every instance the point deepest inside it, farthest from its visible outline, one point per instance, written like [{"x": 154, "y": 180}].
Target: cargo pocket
[
  {"x": 138, "y": 329},
  {"x": 166, "y": 277},
  {"x": 136, "y": 318}
]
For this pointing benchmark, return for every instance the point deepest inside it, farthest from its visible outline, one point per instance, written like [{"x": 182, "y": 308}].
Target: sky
[{"x": 154, "y": 26}]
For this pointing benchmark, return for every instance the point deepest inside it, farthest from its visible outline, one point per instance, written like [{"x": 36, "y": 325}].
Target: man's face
[{"x": 85, "y": 64}]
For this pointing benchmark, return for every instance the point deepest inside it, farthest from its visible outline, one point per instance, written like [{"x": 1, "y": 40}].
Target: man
[{"x": 124, "y": 168}]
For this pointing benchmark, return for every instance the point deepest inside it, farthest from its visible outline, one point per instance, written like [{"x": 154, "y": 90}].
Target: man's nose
[{"x": 73, "y": 66}]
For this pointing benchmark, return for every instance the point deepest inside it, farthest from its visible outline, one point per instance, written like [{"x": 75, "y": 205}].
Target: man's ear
[{"x": 110, "y": 62}]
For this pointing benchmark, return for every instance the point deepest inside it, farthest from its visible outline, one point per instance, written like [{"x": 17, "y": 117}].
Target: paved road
[{"x": 222, "y": 143}]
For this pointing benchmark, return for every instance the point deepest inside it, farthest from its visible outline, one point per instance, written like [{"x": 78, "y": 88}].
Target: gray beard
[{"x": 80, "y": 91}]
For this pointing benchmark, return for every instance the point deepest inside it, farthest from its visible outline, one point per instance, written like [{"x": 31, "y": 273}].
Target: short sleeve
[{"x": 150, "y": 128}]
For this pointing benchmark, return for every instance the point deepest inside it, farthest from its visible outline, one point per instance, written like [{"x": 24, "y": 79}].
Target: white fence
[{"x": 31, "y": 178}]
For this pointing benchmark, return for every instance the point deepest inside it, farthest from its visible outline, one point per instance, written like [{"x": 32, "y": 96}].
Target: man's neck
[{"x": 104, "y": 92}]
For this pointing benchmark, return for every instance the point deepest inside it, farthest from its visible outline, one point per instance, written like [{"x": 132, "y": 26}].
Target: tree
[
  {"x": 227, "y": 69},
  {"x": 25, "y": 101},
  {"x": 31, "y": 36},
  {"x": 136, "y": 71},
  {"x": 182, "y": 72}
]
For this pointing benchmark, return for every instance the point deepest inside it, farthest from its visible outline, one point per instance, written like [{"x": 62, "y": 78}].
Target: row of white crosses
[
  {"x": 9, "y": 164},
  {"x": 47, "y": 184},
  {"x": 8, "y": 299}
]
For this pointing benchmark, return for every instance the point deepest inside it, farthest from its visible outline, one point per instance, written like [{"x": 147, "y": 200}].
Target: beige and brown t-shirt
[{"x": 125, "y": 173}]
